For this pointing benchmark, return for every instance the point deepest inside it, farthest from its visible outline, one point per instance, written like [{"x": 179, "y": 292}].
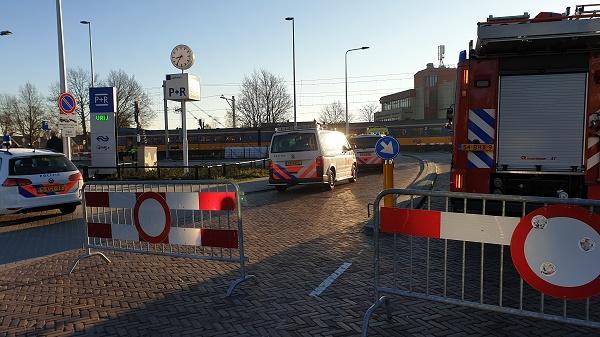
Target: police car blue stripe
[
  {"x": 480, "y": 133},
  {"x": 485, "y": 116}
]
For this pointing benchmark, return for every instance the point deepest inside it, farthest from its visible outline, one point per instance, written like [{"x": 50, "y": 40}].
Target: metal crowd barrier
[
  {"x": 191, "y": 219},
  {"x": 468, "y": 258}
]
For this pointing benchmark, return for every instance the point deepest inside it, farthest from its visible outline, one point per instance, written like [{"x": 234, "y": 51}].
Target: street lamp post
[
  {"x": 294, "y": 65},
  {"x": 231, "y": 102},
  {"x": 89, "y": 24},
  {"x": 346, "y": 82}
]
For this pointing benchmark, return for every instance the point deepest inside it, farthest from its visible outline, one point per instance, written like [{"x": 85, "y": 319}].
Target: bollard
[{"x": 388, "y": 182}]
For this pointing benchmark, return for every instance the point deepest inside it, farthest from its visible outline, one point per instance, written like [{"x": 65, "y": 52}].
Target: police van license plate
[
  {"x": 293, "y": 163},
  {"x": 365, "y": 154},
  {"x": 51, "y": 188}
]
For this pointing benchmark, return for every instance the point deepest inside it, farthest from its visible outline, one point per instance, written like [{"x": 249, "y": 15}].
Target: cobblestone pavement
[{"x": 294, "y": 240}]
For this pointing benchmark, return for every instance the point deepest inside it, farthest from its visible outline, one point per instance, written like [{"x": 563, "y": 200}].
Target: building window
[{"x": 431, "y": 80}]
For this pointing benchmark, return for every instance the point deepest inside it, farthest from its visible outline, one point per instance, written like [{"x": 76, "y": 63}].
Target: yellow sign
[
  {"x": 378, "y": 129},
  {"x": 477, "y": 147}
]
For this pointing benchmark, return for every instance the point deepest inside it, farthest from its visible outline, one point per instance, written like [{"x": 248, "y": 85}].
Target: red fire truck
[{"x": 527, "y": 114}]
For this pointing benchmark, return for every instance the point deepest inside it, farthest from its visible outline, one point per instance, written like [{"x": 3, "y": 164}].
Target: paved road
[{"x": 295, "y": 241}]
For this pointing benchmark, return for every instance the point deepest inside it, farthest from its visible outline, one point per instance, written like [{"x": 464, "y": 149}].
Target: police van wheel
[
  {"x": 354, "y": 174},
  {"x": 280, "y": 188},
  {"x": 330, "y": 180}
]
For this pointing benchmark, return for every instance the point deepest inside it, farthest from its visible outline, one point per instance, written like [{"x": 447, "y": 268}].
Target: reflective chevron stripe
[{"x": 482, "y": 130}]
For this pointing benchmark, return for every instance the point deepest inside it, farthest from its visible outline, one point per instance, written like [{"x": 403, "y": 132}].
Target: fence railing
[
  {"x": 529, "y": 256},
  {"x": 209, "y": 171},
  {"x": 190, "y": 219}
]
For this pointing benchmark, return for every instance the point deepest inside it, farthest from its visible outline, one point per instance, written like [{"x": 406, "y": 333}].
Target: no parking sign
[{"x": 67, "y": 121}]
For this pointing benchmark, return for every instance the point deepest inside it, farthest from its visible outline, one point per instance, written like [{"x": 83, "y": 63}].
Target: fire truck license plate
[{"x": 477, "y": 147}]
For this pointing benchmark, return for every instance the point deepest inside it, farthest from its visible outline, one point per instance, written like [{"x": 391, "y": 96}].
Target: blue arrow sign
[{"x": 387, "y": 148}]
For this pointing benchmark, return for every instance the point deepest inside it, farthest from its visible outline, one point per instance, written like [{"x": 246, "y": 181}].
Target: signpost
[
  {"x": 388, "y": 148},
  {"x": 102, "y": 125},
  {"x": 183, "y": 87},
  {"x": 67, "y": 121}
]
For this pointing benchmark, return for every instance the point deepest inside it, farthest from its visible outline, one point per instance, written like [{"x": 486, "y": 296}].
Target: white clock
[{"x": 182, "y": 57}]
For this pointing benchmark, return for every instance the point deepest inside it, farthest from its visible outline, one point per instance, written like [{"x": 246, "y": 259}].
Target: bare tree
[
  {"x": 29, "y": 113},
  {"x": 263, "y": 99},
  {"x": 333, "y": 113},
  {"x": 130, "y": 90},
  {"x": 367, "y": 112},
  {"x": 8, "y": 105},
  {"x": 78, "y": 82}
]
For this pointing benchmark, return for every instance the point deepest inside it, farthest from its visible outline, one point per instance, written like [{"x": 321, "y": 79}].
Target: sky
[{"x": 232, "y": 38}]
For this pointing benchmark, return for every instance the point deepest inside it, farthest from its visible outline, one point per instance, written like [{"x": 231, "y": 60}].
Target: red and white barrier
[
  {"x": 554, "y": 248},
  {"x": 152, "y": 217}
]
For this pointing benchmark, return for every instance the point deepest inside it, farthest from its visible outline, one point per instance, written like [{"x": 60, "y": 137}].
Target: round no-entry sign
[
  {"x": 67, "y": 103},
  {"x": 556, "y": 250},
  {"x": 152, "y": 218}
]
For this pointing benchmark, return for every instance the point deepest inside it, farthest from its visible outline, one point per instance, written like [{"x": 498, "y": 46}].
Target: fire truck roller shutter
[{"x": 541, "y": 122}]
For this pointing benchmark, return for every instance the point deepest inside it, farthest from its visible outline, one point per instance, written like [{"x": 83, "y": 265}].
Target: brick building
[{"x": 433, "y": 93}]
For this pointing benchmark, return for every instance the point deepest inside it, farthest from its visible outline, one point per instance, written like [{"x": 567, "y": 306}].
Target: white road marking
[{"x": 329, "y": 280}]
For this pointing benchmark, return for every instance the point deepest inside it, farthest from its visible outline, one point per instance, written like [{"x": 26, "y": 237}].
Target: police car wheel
[
  {"x": 280, "y": 188},
  {"x": 68, "y": 209},
  {"x": 354, "y": 174}
]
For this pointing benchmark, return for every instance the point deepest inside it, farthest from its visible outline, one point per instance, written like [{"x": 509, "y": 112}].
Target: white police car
[{"x": 36, "y": 180}]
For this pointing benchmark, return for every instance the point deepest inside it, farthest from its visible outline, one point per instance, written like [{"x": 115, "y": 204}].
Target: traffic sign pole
[
  {"x": 62, "y": 69},
  {"x": 388, "y": 182},
  {"x": 388, "y": 148}
]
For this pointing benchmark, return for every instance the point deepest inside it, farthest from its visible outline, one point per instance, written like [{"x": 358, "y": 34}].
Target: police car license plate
[
  {"x": 51, "y": 188},
  {"x": 293, "y": 163}
]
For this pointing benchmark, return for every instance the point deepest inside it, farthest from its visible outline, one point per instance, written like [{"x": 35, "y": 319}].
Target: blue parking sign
[{"x": 103, "y": 99}]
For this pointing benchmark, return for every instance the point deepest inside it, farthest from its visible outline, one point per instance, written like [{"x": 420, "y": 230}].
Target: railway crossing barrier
[
  {"x": 191, "y": 219},
  {"x": 465, "y": 258}
]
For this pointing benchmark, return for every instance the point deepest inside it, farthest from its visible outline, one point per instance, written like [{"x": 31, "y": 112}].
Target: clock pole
[{"x": 184, "y": 139}]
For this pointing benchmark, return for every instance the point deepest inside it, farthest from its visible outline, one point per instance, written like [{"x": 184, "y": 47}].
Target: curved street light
[
  {"x": 89, "y": 24},
  {"x": 5, "y": 33},
  {"x": 346, "y": 81}
]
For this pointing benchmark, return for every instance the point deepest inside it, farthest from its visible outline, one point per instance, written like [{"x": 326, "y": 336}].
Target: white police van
[
  {"x": 36, "y": 180},
  {"x": 310, "y": 156}
]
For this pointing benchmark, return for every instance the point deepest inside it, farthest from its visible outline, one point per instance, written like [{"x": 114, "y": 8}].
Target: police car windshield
[
  {"x": 364, "y": 142},
  {"x": 294, "y": 142},
  {"x": 40, "y": 165}
]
